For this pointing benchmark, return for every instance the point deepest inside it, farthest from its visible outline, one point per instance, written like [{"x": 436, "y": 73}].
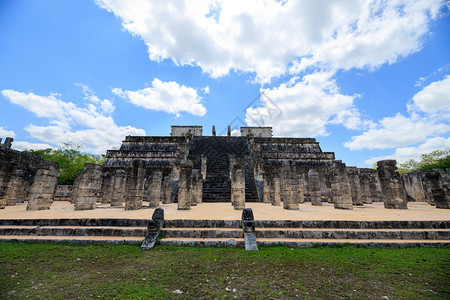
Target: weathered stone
[
  {"x": 196, "y": 196},
  {"x": 440, "y": 193},
  {"x": 107, "y": 187},
  {"x": 340, "y": 186},
  {"x": 154, "y": 189},
  {"x": 8, "y": 143},
  {"x": 154, "y": 227},
  {"x": 276, "y": 190},
  {"x": 63, "y": 192},
  {"x": 289, "y": 187},
  {"x": 391, "y": 185},
  {"x": 167, "y": 190},
  {"x": 355, "y": 186},
  {"x": 249, "y": 230},
  {"x": 237, "y": 176},
  {"x": 314, "y": 187},
  {"x": 135, "y": 186},
  {"x": 266, "y": 188},
  {"x": 414, "y": 187},
  {"x": 18, "y": 187},
  {"x": 119, "y": 191},
  {"x": 185, "y": 185},
  {"x": 89, "y": 187},
  {"x": 44, "y": 186}
]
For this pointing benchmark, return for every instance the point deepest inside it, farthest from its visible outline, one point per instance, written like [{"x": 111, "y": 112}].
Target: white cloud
[
  {"x": 397, "y": 131},
  {"x": 166, "y": 96},
  {"x": 105, "y": 105},
  {"x": 101, "y": 131},
  {"x": 434, "y": 98},
  {"x": 406, "y": 153},
  {"x": 268, "y": 37},
  {"x": 6, "y": 133},
  {"x": 304, "y": 108},
  {"x": 21, "y": 145}
]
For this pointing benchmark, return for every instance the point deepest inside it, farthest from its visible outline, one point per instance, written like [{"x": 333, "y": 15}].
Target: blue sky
[{"x": 368, "y": 79}]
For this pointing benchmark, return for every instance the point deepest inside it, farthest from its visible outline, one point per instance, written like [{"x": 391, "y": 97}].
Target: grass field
[{"x": 51, "y": 271}]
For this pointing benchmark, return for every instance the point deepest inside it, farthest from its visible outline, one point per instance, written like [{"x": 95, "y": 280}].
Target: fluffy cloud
[
  {"x": 21, "y": 145},
  {"x": 6, "y": 133},
  {"x": 397, "y": 131},
  {"x": 101, "y": 131},
  {"x": 434, "y": 98},
  {"x": 304, "y": 108},
  {"x": 270, "y": 37},
  {"x": 406, "y": 153},
  {"x": 166, "y": 96}
]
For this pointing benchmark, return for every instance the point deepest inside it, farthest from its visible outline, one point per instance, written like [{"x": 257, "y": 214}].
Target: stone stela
[{"x": 189, "y": 168}]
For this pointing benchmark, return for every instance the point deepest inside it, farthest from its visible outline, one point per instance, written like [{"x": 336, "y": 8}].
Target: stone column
[
  {"x": 314, "y": 187},
  {"x": 196, "y": 196},
  {"x": 276, "y": 189},
  {"x": 237, "y": 170},
  {"x": 391, "y": 185},
  {"x": 340, "y": 185},
  {"x": 18, "y": 187},
  {"x": 290, "y": 186},
  {"x": 185, "y": 185},
  {"x": 414, "y": 187},
  {"x": 301, "y": 187},
  {"x": 44, "y": 186},
  {"x": 375, "y": 187},
  {"x": 8, "y": 143},
  {"x": 135, "y": 185},
  {"x": 259, "y": 178},
  {"x": 89, "y": 187},
  {"x": 120, "y": 184},
  {"x": 107, "y": 187},
  {"x": 441, "y": 195},
  {"x": 355, "y": 186},
  {"x": 167, "y": 190},
  {"x": 204, "y": 166},
  {"x": 154, "y": 189},
  {"x": 266, "y": 187}
]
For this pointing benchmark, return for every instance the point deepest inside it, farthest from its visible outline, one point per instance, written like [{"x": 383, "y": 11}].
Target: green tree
[
  {"x": 437, "y": 159},
  {"x": 71, "y": 158}
]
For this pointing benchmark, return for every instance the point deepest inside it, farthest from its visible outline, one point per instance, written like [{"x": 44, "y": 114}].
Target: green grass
[{"x": 50, "y": 271}]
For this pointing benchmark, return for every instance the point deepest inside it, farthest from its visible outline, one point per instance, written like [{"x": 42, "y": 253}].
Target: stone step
[
  {"x": 202, "y": 233},
  {"x": 304, "y": 243},
  {"x": 83, "y": 240},
  {"x": 73, "y": 231}
]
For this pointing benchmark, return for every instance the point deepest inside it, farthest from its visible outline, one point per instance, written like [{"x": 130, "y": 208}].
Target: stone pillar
[
  {"x": 355, "y": 186},
  {"x": 18, "y": 187},
  {"x": 441, "y": 195},
  {"x": 249, "y": 230},
  {"x": 44, "y": 186},
  {"x": 107, "y": 187},
  {"x": 414, "y": 187},
  {"x": 300, "y": 193},
  {"x": 204, "y": 162},
  {"x": 214, "y": 130},
  {"x": 314, "y": 187},
  {"x": 276, "y": 189},
  {"x": 184, "y": 189},
  {"x": 259, "y": 178},
  {"x": 196, "y": 195},
  {"x": 340, "y": 185},
  {"x": 289, "y": 185},
  {"x": 229, "y": 130},
  {"x": 266, "y": 188},
  {"x": 120, "y": 184},
  {"x": 89, "y": 187},
  {"x": 167, "y": 190},
  {"x": 391, "y": 185},
  {"x": 8, "y": 143},
  {"x": 154, "y": 189},
  {"x": 135, "y": 185},
  {"x": 375, "y": 187},
  {"x": 237, "y": 170}
]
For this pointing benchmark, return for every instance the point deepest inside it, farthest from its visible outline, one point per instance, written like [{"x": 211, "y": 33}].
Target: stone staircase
[
  {"x": 308, "y": 233},
  {"x": 217, "y": 186},
  {"x": 229, "y": 233}
]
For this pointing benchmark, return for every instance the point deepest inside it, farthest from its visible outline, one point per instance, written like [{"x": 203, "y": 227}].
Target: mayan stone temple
[
  {"x": 188, "y": 168},
  {"x": 209, "y": 190}
]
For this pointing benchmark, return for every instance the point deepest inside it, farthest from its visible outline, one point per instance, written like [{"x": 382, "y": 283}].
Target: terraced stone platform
[{"x": 218, "y": 224}]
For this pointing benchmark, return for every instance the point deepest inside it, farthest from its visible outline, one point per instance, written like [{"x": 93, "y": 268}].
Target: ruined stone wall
[
  {"x": 63, "y": 193},
  {"x": 44, "y": 185},
  {"x": 89, "y": 187},
  {"x": 414, "y": 187},
  {"x": 264, "y": 132},
  {"x": 186, "y": 130}
]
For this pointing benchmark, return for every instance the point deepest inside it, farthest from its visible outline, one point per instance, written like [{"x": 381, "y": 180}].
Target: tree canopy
[
  {"x": 71, "y": 158},
  {"x": 437, "y": 159}
]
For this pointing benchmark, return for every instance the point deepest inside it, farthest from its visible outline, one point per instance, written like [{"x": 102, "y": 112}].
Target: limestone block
[
  {"x": 342, "y": 198},
  {"x": 135, "y": 186},
  {"x": 154, "y": 189},
  {"x": 440, "y": 193},
  {"x": 290, "y": 186},
  {"x": 355, "y": 186},
  {"x": 237, "y": 170},
  {"x": 89, "y": 186},
  {"x": 314, "y": 187},
  {"x": 197, "y": 188},
  {"x": 107, "y": 187},
  {"x": 185, "y": 185},
  {"x": 276, "y": 190},
  {"x": 44, "y": 185},
  {"x": 391, "y": 185},
  {"x": 120, "y": 183}
]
